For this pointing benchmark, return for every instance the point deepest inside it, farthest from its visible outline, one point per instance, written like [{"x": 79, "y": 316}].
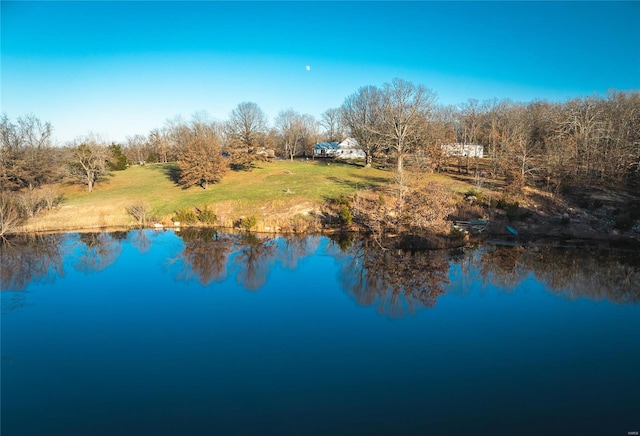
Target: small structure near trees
[
  {"x": 347, "y": 149},
  {"x": 463, "y": 150},
  {"x": 325, "y": 149}
]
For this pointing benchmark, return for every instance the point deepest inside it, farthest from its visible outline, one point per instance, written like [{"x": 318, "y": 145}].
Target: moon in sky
[{"x": 308, "y": 68}]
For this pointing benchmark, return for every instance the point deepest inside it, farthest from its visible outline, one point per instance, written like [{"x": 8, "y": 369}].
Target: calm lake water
[{"x": 147, "y": 332}]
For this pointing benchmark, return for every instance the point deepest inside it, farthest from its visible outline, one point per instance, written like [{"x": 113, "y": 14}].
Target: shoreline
[
  {"x": 261, "y": 202},
  {"x": 593, "y": 238}
]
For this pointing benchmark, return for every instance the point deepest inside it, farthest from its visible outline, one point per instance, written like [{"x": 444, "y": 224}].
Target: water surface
[{"x": 148, "y": 332}]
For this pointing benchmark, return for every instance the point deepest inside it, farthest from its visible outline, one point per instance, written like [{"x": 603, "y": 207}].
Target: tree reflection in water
[
  {"x": 396, "y": 282},
  {"x": 205, "y": 255},
  {"x": 30, "y": 258},
  {"x": 97, "y": 251},
  {"x": 503, "y": 266},
  {"x": 253, "y": 260},
  {"x": 141, "y": 241},
  {"x": 296, "y": 247},
  {"x": 599, "y": 274},
  {"x": 595, "y": 273}
]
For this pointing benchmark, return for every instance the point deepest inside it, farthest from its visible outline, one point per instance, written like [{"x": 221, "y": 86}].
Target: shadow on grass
[
  {"x": 170, "y": 170},
  {"x": 361, "y": 182},
  {"x": 349, "y": 183},
  {"x": 373, "y": 181},
  {"x": 326, "y": 161},
  {"x": 81, "y": 184},
  {"x": 350, "y": 163}
]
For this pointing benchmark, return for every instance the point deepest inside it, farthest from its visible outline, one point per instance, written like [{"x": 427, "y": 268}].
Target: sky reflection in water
[{"x": 152, "y": 333}]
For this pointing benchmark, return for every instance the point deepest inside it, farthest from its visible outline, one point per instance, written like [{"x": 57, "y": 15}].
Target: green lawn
[{"x": 271, "y": 183}]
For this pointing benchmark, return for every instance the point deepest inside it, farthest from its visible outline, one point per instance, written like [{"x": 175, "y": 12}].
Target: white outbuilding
[{"x": 466, "y": 150}]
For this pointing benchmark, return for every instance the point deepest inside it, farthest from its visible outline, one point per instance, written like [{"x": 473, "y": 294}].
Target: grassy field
[
  {"x": 272, "y": 188},
  {"x": 285, "y": 196}
]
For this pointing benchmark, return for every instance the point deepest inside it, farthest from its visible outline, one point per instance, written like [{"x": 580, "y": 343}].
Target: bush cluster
[
  {"x": 345, "y": 214},
  {"x": 248, "y": 222},
  {"x": 32, "y": 201},
  {"x": 15, "y": 207},
  {"x": 185, "y": 216},
  {"x": 204, "y": 215}
]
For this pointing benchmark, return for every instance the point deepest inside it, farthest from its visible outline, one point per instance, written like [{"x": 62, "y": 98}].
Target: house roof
[{"x": 326, "y": 145}]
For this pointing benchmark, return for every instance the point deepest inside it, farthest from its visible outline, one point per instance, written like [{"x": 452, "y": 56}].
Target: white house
[
  {"x": 466, "y": 150},
  {"x": 347, "y": 149},
  {"x": 350, "y": 149},
  {"x": 325, "y": 149}
]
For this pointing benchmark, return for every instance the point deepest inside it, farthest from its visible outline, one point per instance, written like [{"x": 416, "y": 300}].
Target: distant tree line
[{"x": 592, "y": 140}]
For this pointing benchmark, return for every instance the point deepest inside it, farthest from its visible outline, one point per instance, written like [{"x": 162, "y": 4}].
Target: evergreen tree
[{"x": 118, "y": 160}]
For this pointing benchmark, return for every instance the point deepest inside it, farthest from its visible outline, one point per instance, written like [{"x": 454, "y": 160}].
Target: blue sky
[{"x": 121, "y": 68}]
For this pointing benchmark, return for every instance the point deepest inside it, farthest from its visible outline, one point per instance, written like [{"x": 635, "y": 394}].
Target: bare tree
[
  {"x": 136, "y": 149},
  {"x": 310, "y": 135},
  {"x": 9, "y": 213},
  {"x": 470, "y": 123},
  {"x": 491, "y": 131},
  {"x": 87, "y": 162},
  {"x": 622, "y": 146},
  {"x": 583, "y": 126},
  {"x": 178, "y": 132},
  {"x": 159, "y": 141},
  {"x": 291, "y": 126},
  {"x": 520, "y": 153},
  {"x": 247, "y": 123},
  {"x": 470, "y": 114},
  {"x": 27, "y": 158},
  {"x": 245, "y": 136},
  {"x": 361, "y": 115},
  {"x": 440, "y": 131},
  {"x": 404, "y": 108},
  {"x": 331, "y": 122},
  {"x": 139, "y": 210}
]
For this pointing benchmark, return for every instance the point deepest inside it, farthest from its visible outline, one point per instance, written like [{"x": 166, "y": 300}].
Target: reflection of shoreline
[
  {"x": 209, "y": 256},
  {"x": 495, "y": 235},
  {"x": 27, "y": 258},
  {"x": 550, "y": 242},
  {"x": 592, "y": 272},
  {"x": 395, "y": 282}
]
